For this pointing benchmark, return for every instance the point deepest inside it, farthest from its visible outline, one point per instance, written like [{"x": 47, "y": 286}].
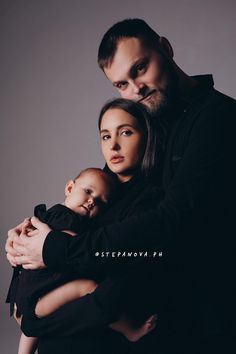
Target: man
[{"x": 192, "y": 223}]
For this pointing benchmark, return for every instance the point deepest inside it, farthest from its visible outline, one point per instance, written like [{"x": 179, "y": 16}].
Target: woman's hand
[
  {"x": 29, "y": 245},
  {"x": 13, "y": 234}
]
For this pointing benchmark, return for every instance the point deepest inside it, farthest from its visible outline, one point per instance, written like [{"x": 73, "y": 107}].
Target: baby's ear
[{"x": 68, "y": 188}]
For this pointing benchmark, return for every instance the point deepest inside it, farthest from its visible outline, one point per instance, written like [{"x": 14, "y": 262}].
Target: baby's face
[{"x": 87, "y": 194}]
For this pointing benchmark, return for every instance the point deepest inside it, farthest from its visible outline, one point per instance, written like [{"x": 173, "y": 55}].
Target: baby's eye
[{"x": 87, "y": 191}]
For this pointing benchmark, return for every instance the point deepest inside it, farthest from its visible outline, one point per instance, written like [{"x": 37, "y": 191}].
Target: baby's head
[{"x": 89, "y": 192}]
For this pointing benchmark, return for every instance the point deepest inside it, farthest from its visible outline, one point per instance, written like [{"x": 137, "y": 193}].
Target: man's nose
[{"x": 137, "y": 87}]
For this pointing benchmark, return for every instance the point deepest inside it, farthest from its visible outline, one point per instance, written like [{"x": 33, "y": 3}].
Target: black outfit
[
  {"x": 28, "y": 286},
  {"x": 138, "y": 194},
  {"x": 191, "y": 225}
]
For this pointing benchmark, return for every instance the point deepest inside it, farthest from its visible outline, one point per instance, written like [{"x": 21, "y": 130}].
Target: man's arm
[
  {"x": 194, "y": 184},
  {"x": 188, "y": 193}
]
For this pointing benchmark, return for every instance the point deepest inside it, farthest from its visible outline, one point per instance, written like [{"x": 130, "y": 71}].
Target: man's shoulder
[
  {"x": 221, "y": 98},
  {"x": 206, "y": 97},
  {"x": 214, "y": 103}
]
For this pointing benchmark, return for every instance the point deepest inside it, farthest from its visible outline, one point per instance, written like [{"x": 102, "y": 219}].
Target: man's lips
[
  {"x": 117, "y": 159},
  {"x": 147, "y": 96},
  {"x": 86, "y": 209}
]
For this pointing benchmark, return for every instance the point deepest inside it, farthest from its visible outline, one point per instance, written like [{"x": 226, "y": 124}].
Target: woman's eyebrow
[
  {"x": 104, "y": 131},
  {"x": 125, "y": 125},
  {"x": 118, "y": 127}
]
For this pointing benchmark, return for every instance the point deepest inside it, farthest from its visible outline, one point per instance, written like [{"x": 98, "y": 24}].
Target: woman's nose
[{"x": 114, "y": 145}]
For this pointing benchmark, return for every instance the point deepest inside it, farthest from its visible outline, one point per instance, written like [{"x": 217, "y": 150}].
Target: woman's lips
[{"x": 117, "y": 159}]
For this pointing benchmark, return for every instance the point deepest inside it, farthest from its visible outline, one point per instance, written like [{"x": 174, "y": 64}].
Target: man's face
[{"x": 143, "y": 75}]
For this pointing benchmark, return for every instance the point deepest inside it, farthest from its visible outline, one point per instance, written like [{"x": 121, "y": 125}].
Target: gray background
[{"x": 51, "y": 91}]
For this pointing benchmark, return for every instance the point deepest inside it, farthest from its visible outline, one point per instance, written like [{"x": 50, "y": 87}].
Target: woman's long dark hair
[{"x": 145, "y": 121}]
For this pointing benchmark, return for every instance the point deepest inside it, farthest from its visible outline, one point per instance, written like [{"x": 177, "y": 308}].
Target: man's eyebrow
[{"x": 118, "y": 127}]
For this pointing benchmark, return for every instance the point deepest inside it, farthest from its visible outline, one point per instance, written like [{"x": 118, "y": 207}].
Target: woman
[{"x": 128, "y": 144}]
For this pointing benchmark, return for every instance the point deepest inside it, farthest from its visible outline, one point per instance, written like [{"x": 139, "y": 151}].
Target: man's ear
[
  {"x": 68, "y": 188},
  {"x": 166, "y": 47}
]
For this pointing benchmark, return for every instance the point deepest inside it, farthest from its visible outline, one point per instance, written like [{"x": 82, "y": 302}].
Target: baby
[
  {"x": 85, "y": 197},
  {"x": 41, "y": 292}
]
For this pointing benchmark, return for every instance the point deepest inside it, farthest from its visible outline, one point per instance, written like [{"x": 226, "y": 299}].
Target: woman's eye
[
  {"x": 105, "y": 137},
  {"x": 126, "y": 132},
  {"x": 87, "y": 191}
]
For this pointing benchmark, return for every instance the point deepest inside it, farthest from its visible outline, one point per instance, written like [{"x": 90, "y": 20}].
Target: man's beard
[{"x": 167, "y": 95}]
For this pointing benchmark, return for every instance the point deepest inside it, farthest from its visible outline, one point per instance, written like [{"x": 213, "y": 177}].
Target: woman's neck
[{"x": 123, "y": 178}]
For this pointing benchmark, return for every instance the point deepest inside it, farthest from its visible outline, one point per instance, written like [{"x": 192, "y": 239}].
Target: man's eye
[
  {"x": 105, "y": 137},
  {"x": 141, "y": 67},
  {"x": 87, "y": 191},
  {"x": 121, "y": 85}
]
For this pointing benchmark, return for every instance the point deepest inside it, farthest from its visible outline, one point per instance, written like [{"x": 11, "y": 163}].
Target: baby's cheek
[{"x": 72, "y": 203}]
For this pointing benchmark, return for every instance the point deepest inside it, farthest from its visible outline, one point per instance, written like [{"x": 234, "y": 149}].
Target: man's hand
[
  {"x": 13, "y": 234},
  {"x": 29, "y": 246}
]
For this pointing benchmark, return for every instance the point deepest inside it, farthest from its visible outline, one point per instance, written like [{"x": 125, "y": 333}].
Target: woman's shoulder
[
  {"x": 132, "y": 198},
  {"x": 148, "y": 196}
]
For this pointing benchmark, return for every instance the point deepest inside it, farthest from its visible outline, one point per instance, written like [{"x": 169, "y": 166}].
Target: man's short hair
[{"x": 128, "y": 28}]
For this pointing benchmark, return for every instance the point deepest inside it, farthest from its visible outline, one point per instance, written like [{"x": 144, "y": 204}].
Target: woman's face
[{"x": 122, "y": 142}]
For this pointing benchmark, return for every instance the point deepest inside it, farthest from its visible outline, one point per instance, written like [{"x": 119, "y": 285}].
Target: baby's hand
[{"x": 17, "y": 317}]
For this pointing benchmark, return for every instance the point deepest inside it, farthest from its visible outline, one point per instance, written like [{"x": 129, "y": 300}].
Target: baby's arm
[
  {"x": 62, "y": 295},
  {"x": 27, "y": 345}
]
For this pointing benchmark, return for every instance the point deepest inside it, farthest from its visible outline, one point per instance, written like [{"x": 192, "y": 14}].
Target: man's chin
[{"x": 157, "y": 108}]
